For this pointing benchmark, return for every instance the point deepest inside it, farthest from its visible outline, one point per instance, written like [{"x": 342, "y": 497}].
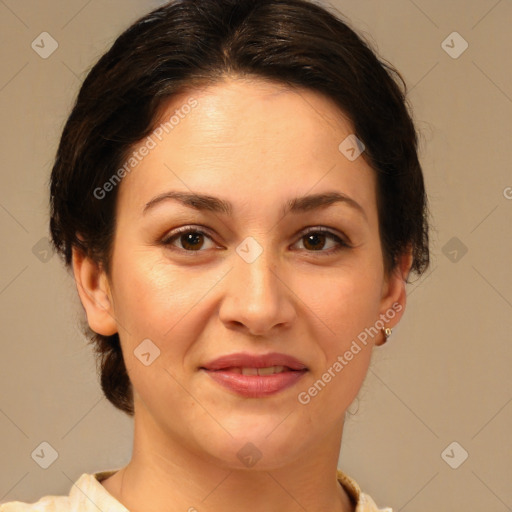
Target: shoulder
[
  {"x": 86, "y": 495},
  {"x": 362, "y": 501}
]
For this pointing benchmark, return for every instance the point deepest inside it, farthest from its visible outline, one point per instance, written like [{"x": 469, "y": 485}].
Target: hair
[{"x": 194, "y": 43}]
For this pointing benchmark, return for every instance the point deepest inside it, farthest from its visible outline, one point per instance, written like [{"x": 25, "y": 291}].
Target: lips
[
  {"x": 243, "y": 360},
  {"x": 255, "y": 376}
]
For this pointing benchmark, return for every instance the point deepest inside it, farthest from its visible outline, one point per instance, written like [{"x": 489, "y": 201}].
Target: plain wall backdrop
[{"x": 444, "y": 376}]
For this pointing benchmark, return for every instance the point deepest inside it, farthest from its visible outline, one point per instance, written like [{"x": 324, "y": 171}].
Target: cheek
[
  {"x": 326, "y": 395},
  {"x": 156, "y": 302},
  {"x": 146, "y": 288},
  {"x": 347, "y": 307},
  {"x": 346, "y": 299},
  {"x": 164, "y": 303}
]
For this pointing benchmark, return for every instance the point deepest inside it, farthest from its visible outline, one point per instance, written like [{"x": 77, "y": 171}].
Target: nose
[{"x": 257, "y": 298}]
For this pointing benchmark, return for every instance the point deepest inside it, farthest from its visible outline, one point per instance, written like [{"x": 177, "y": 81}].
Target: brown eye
[
  {"x": 316, "y": 239},
  {"x": 190, "y": 239}
]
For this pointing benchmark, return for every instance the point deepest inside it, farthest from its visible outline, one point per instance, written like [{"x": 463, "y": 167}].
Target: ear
[
  {"x": 393, "y": 291},
  {"x": 94, "y": 291}
]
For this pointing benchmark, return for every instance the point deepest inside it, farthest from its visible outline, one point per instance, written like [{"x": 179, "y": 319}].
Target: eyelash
[{"x": 167, "y": 241}]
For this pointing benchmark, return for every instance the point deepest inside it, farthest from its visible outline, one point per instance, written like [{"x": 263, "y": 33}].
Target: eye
[
  {"x": 315, "y": 240},
  {"x": 191, "y": 239}
]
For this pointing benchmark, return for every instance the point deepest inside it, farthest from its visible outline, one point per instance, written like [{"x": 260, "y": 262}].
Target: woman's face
[{"x": 248, "y": 279}]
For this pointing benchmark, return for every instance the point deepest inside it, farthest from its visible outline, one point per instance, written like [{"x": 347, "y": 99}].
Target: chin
[{"x": 256, "y": 447}]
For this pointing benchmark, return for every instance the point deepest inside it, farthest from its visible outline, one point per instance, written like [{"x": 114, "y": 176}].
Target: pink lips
[{"x": 227, "y": 371}]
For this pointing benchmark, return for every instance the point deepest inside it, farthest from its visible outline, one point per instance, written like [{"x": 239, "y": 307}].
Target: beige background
[{"x": 444, "y": 376}]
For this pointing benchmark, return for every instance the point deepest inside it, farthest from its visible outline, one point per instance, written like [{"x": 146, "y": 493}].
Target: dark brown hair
[{"x": 189, "y": 43}]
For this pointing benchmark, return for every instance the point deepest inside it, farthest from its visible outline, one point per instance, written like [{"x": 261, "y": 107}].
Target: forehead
[
  {"x": 231, "y": 111},
  {"x": 249, "y": 140}
]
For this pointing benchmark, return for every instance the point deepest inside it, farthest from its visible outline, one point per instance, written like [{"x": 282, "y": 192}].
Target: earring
[{"x": 387, "y": 333}]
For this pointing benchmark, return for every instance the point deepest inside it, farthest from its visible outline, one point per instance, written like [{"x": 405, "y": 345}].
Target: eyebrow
[{"x": 202, "y": 202}]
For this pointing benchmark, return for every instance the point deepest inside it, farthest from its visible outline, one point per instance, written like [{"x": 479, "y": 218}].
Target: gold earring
[{"x": 387, "y": 333}]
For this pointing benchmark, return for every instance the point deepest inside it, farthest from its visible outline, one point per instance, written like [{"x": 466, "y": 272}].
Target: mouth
[
  {"x": 255, "y": 376},
  {"x": 269, "y": 370},
  {"x": 244, "y": 360}
]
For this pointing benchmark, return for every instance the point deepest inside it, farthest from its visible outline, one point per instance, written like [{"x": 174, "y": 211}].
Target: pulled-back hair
[{"x": 195, "y": 43}]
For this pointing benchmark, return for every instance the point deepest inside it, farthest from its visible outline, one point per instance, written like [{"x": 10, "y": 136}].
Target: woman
[{"x": 238, "y": 193}]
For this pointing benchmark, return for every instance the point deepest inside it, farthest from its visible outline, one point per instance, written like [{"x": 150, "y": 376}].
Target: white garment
[{"x": 88, "y": 495}]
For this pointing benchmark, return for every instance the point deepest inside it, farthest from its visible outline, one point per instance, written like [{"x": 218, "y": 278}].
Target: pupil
[
  {"x": 315, "y": 236},
  {"x": 191, "y": 240}
]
